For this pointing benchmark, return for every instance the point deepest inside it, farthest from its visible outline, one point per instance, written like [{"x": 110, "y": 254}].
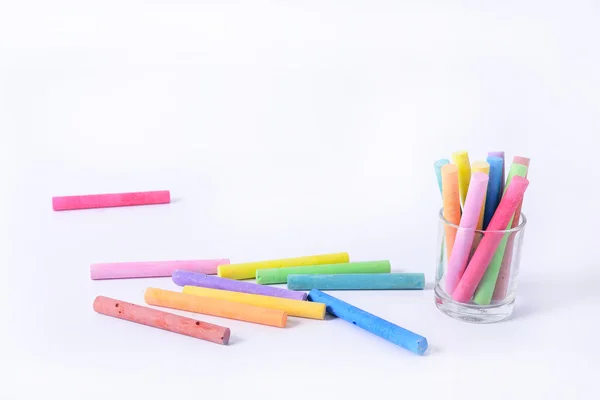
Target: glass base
[{"x": 473, "y": 313}]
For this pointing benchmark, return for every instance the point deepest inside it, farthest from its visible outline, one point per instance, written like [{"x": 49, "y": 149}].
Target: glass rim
[{"x": 517, "y": 228}]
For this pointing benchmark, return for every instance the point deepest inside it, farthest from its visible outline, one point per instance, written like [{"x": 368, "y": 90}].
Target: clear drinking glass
[{"x": 494, "y": 294}]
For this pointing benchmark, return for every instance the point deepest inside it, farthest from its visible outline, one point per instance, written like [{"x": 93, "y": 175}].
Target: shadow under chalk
[
  {"x": 234, "y": 340},
  {"x": 291, "y": 323}
]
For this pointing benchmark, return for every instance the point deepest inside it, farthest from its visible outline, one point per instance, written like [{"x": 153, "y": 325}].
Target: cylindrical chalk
[
  {"x": 491, "y": 240},
  {"x": 481, "y": 166},
  {"x": 216, "y": 307},
  {"x": 371, "y": 323},
  {"x": 451, "y": 199},
  {"x": 185, "y": 278},
  {"x": 150, "y": 269},
  {"x": 248, "y": 270},
  {"x": 504, "y": 275},
  {"x": 461, "y": 159},
  {"x": 437, "y": 166},
  {"x": 466, "y": 233},
  {"x": 397, "y": 281},
  {"x": 62, "y": 203},
  {"x": 162, "y": 320},
  {"x": 294, "y": 308},
  {"x": 500, "y": 154},
  {"x": 485, "y": 290},
  {"x": 494, "y": 189},
  {"x": 279, "y": 275}
]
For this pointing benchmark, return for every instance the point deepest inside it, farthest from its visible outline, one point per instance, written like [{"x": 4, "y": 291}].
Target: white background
[{"x": 288, "y": 128}]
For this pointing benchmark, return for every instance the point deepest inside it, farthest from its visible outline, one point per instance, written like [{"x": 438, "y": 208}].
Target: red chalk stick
[
  {"x": 162, "y": 320},
  {"x": 63, "y": 203}
]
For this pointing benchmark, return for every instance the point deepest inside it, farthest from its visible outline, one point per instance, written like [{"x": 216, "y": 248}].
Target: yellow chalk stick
[
  {"x": 248, "y": 270},
  {"x": 295, "y": 308},
  {"x": 461, "y": 159},
  {"x": 481, "y": 166}
]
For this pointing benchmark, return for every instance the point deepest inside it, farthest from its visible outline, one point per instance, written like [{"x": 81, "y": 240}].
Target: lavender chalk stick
[{"x": 185, "y": 278}]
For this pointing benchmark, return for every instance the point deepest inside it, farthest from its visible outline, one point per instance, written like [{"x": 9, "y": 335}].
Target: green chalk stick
[
  {"x": 279, "y": 275},
  {"x": 485, "y": 290}
]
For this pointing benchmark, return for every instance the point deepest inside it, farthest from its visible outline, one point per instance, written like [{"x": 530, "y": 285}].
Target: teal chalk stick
[
  {"x": 397, "y": 281},
  {"x": 371, "y": 323},
  {"x": 437, "y": 166}
]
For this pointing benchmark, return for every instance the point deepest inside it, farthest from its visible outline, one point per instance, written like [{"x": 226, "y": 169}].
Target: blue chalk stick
[
  {"x": 494, "y": 189},
  {"x": 438, "y": 170},
  {"x": 399, "y": 281},
  {"x": 369, "y": 322}
]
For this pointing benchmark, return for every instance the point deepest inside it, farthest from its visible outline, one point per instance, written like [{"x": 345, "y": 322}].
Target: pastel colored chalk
[
  {"x": 396, "y": 281},
  {"x": 371, "y": 323},
  {"x": 248, "y": 270},
  {"x": 451, "y": 199},
  {"x": 162, "y": 320},
  {"x": 485, "y": 290},
  {"x": 151, "y": 269},
  {"x": 216, "y": 307},
  {"x": 461, "y": 159},
  {"x": 500, "y": 154},
  {"x": 501, "y": 288},
  {"x": 494, "y": 190},
  {"x": 63, "y": 203},
  {"x": 279, "y": 275},
  {"x": 295, "y": 308},
  {"x": 466, "y": 232},
  {"x": 186, "y": 278},
  {"x": 490, "y": 241},
  {"x": 481, "y": 166},
  {"x": 437, "y": 166}
]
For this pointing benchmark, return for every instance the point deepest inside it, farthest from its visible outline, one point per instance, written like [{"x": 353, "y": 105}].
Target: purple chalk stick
[{"x": 183, "y": 278}]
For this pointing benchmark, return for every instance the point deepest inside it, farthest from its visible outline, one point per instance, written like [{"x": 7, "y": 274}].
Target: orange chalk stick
[
  {"x": 162, "y": 320},
  {"x": 216, "y": 307},
  {"x": 451, "y": 198}
]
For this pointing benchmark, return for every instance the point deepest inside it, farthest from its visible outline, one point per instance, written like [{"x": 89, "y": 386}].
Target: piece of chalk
[
  {"x": 185, "y": 278},
  {"x": 481, "y": 166},
  {"x": 494, "y": 190},
  {"x": 396, "y": 281},
  {"x": 451, "y": 199},
  {"x": 485, "y": 290},
  {"x": 150, "y": 269},
  {"x": 461, "y": 159},
  {"x": 466, "y": 233},
  {"x": 500, "y": 154},
  {"x": 63, "y": 203},
  {"x": 295, "y": 308},
  {"x": 437, "y": 166},
  {"x": 279, "y": 275},
  {"x": 501, "y": 288},
  {"x": 371, "y": 323},
  {"x": 162, "y": 320},
  {"x": 248, "y": 270},
  {"x": 216, "y": 307},
  {"x": 490, "y": 241}
]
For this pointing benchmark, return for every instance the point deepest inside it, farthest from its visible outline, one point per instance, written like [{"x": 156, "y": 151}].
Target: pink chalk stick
[
  {"x": 466, "y": 233},
  {"x": 152, "y": 269},
  {"x": 63, "y": 203},
  {"x": 491, "y": 240},
  {"x": 504, "y": 274}
]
